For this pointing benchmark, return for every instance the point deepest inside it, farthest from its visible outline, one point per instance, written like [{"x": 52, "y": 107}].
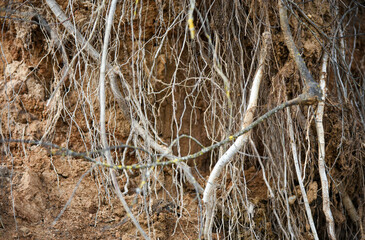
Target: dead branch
[{"x": 312, "y": 91}]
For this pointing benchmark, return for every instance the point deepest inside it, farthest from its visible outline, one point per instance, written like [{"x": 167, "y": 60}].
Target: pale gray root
[
  {"x": 102, "y": 118},
  {"x": 322, "y": 154},
  {"x": 238, "y": 144},
  {"x": 95, "y": 55},
  {"x": 114, "y": 86},
  {"x": 299, "y": 176}
]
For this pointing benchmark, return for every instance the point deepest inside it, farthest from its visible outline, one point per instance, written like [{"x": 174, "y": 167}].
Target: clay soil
[{"x": 45, "y": 196}]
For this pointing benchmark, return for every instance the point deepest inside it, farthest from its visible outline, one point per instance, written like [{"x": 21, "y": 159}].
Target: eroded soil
[{"x": 36, "y": 186}]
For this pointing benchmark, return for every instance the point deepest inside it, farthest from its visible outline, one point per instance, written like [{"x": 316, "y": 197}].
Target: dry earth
[{"x": 35, "y": 186}]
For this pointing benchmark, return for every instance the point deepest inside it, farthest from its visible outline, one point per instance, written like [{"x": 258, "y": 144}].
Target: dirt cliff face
[{"x": 49, "y": 89}]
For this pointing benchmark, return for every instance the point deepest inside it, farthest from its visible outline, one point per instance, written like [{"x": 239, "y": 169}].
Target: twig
[{"x": 173, "y": 159}]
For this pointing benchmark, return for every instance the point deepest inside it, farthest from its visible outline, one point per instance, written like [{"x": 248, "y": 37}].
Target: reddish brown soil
[{"x": 35, "y": 186}]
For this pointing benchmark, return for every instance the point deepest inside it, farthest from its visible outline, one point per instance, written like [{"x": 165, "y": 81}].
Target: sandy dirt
[{"x": 36, "y": 186}]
